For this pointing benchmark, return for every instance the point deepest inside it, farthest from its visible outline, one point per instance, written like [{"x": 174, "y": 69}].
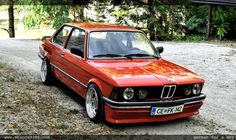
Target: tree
[{"x": 52, "y": 12}]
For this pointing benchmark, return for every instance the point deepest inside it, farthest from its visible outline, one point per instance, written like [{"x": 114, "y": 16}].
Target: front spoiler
[{"x": 143, "y": 105}]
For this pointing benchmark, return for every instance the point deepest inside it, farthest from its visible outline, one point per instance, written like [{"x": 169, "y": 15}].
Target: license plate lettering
[{"x": 166, "y": 110}]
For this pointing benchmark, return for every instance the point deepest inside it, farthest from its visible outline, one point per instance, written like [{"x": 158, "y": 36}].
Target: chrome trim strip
[
  {"x": 147, "y": 105},
  {"x": 144, "y": 107},
  {"x": 40, "y": 56},
  {"x": 69, "y": 76},
  {"x": 129, "y": 107},
  {"x": 187, "y": 103}
]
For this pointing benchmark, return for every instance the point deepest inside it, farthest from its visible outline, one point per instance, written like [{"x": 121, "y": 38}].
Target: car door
[
  {"x": 75, "y": 63},
  {"x": 59, "y": 41}
]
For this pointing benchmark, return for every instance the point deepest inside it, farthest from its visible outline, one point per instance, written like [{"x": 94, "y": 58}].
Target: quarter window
[{"x": 61, "y": 37}]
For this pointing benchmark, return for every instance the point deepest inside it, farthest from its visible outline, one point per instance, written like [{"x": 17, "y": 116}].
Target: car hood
[{"x": 151, "y": 72}]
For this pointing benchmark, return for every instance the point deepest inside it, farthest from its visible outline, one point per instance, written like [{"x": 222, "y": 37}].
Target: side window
[
  {"x": 62, "y": 35},
  {"x": 76, "y": 40}
]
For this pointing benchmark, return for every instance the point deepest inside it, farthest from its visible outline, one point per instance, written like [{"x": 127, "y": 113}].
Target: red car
[{"x": 120, "y": 74}]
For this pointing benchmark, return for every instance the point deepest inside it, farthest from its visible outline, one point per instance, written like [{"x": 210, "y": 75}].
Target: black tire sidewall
[
  {"x": 49, "y": 76},
  {"x": 100, "y": 112}
]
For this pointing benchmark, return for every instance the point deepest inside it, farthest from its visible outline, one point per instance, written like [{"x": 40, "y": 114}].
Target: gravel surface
[{"x": 29, "y": 107}]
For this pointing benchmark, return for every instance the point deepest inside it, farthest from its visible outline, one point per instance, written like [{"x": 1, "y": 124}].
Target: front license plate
[{"x": 166, "y": 110}]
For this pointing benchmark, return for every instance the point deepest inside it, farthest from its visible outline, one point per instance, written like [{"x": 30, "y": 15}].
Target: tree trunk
[
  {"x": 150, "y": 26},
  {"x": 81, "y": 13},
  {"x": 11, "y": 19},
  {"x": 208, "y": 34},
  {"x": 78, "y": 13}
]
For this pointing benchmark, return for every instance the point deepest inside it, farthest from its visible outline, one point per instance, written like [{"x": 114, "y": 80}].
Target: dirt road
[{"x": 217, "y": 64}]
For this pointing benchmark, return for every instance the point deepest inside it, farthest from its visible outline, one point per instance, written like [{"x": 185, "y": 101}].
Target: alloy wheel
[
  {"x": 43, "y": 71},
  {"x": 92, "y": 103}
]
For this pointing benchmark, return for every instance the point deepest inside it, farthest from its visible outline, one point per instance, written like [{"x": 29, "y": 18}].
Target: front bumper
[
  {"x": 137, "y": 112},
  {"x": 139, "y": 105}
]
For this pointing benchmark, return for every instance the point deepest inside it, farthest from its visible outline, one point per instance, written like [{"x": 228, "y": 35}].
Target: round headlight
[
  {"x": 142, "y": 94},
  {"x": 196, "y": 89},
  {"x": 188, "y": 90},
  {"x": 128, "y": 94}
]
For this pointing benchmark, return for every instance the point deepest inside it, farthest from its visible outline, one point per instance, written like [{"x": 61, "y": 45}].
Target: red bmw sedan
[{"x": 119, "y": 73}]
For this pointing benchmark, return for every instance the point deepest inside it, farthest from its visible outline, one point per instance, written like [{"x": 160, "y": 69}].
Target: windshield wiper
[
  {"x": 113, "y": 55},
  {"x": 129, "y": 56},
  {"x": 108, "y": 55},
  {"x": 141, "y": 55}
]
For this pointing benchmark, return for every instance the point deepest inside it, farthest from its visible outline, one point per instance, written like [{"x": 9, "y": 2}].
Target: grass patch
[
  {"x": 1, "y": 66},
  {"x": 10, "y": 79},
  {"x": 8, "y": 131},
  {"x": 2, "y": 94},
  {"x": 63, "y": 126},
  {"x": 196, "y": 38}
]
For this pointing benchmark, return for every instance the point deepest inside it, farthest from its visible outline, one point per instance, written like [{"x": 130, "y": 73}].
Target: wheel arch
[{"x": 104, "y": 87}]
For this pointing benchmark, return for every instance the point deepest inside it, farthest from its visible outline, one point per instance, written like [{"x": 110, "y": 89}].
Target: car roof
[{"x": 91, "y": 26}]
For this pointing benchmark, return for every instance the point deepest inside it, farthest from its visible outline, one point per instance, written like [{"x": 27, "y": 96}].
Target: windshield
[{"x": 120, "y": 44}]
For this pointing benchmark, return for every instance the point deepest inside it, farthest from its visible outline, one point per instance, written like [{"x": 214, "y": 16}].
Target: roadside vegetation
[
  {"x": 180, "y": 20},
  {"x": 163, "y": 22}
]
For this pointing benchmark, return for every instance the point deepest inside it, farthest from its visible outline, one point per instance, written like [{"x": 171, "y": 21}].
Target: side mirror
[
  {"x": 77, "y": 51},
  {"x": 160, "y": 49},
  {"x": 45, "y": 37}
]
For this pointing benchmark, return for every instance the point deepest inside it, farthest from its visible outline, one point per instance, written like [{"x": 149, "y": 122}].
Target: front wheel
[
  {"x": 46, "y": 73},
  {"x": 94, "y": 104}
]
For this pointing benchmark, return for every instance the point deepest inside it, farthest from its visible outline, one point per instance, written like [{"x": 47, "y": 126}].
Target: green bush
[
  {"x": 195, "y": 38},
  {"x": 196, "y": 25}
]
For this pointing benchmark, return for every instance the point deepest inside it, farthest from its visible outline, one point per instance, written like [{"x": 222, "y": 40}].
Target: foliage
[
  {"x": 221, "y": 22},
  {"x": 195, "y": 38},
  {"x": 196, "y": 20},
  {"x": 168, "y": 21},
  {"x": 222, "y": 29},
  {"x": 121, "y": 14},
  {"x": 164, "y": 22},
  {"x": 60, "y": 14},
  {"x": 45, "y": 14},
  {"x": 158, "y": 19},
  {"x": 196, "y": 25},
  {"x": 101, "y": 10}
]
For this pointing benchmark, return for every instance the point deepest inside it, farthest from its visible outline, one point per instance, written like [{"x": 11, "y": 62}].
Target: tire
[
  {"x": 94, "y": 104},
  {"x": 46, "y": 72}
]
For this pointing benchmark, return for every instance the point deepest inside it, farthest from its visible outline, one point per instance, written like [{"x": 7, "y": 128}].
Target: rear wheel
[
  {"x": 94, "y": 104},
  {"x": 46, "y": 72}
]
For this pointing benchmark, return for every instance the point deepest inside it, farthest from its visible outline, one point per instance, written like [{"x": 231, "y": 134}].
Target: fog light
[
  {"x": 197, "y": 89},
  {"x": 142, "y": 94},
  {"x": 188, "y": 90},
  {"x": 128, "y": 94}
]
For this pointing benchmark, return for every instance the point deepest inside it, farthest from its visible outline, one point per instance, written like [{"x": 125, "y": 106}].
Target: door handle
[{"x": 62, "y": 53}]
